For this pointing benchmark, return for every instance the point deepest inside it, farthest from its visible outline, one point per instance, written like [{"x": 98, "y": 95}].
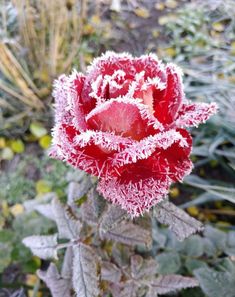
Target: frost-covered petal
[
  {"x": 89, "y": 151},
  {"x": 123, "y": 116},
  {"x": 106, "y": 141},
  {"x": 152, "y": 66},
  {"x": 147, "y": 146},
  {"x": 193, "y": 114},
  {"x": 167, "y": 102},
  {"x": 135, "y": 197}
]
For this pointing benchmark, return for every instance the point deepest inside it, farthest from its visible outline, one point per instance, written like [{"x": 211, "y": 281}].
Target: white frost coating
[
  {"x": 146, "y": 147},
  {"x": 109, "y": 55},
  {"x": 135, "y": 197},
  {"x": 143, "y": 109},
  {"x": 108, "y": 141},
  {"x": 192, "y": 114}
]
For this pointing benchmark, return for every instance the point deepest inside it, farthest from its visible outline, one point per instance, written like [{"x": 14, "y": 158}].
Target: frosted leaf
[
  {"x": 42, "y": 246},
  {"x": 128, "y": 233},
  {"x": 193, "y": 114},
  {"x": 110, "y": 272},
  {"x": 78, "y": 190},
  {"x": 216, "y": 283},
  {"x": 178, "y": 221},
  {"x": 142, "y": 268},
  {"x": 130, "y": 289},
  {"x": 69, "y": 227},
  {"x": 66, "y": 270},
  {"x": 112, "y": 217},
  {"x": 45, "y": 210},
  {"x": 85, "y": 271},
  {"x": 172, "y": 283},
  {"x": 30, "y": 205},
  {"x": 58, "y": 286}
]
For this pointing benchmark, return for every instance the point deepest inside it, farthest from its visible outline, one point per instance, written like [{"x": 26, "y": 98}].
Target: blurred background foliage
[{"x": 41, "y": 39}]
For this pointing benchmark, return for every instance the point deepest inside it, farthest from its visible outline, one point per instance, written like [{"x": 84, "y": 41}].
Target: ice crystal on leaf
[{"x": 124, "y": 121}]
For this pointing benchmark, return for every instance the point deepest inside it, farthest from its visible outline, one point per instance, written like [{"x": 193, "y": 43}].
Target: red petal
[
  {"x": 167, "y": 102},
  {"x": 192, "y": 114},
  {"x": 152, "y": 67},
  {"x": 135, "y": 197},
  {"x": 121, "y": 116}
]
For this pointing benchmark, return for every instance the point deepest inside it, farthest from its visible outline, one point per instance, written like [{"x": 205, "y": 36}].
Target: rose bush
[{"x": 124, "y": 122}]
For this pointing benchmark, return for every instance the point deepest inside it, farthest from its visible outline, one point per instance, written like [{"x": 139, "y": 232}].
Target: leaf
[
  {"x": 142, "y": 12},
  {"x": 129, "y": 289},
  {"x": 5, "y": 255},
  {"x": 178, "y": 221},
  {"x": 230, "y": 244},
  {"x": 168, "y": 263},
  {"x": 171, "y": 283},
  {"x": 37, "y": 129},
  {"x": 45, "y": 141},
  {"x": 45, "y": 210},
  {"x": 42, "y": 246},
  {"x": 129, "y": 234},
  {"x": 227, "y": 193},
  {"x": 193, "y": 264},
  {"x": 77, "y": 190},
  {"x": 17, "y": 146},
  {"x": 69, "y": 227},
  {"x": 112, "y": 217},
  {"x": 66, "y": 270},
  {"x": 141, "y": 268},
  {"x": 193, "y": 246},
  {"x": 58, "y": 286},
  {"x": 217, "y": 237},
  {"x": 85, "y": 271},
  {"x": 215, "y": 283},
  {"x": 43, "y": 186},
  {"x": 110, "y": 272}
]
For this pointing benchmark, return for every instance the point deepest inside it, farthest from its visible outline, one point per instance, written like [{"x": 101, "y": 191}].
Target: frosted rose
[{"x": 123, "y": 121}]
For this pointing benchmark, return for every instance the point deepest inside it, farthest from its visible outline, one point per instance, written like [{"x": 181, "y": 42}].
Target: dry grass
[{"x": 46, "y": 44}]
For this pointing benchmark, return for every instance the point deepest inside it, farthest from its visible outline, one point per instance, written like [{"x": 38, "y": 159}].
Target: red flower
[{"x": 124, "y": 122}]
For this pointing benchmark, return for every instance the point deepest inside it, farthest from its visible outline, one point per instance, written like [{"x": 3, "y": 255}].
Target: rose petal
[
  {"x": 147, "y": 146},
  {"x": 134, "y": 197},
  {"x": 122, "y": 116},
  {"x": 192, "y": 114},
  {"x": 167, "y": 102}
]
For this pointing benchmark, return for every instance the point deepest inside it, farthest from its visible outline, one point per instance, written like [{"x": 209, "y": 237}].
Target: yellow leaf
[
  {"x": 7, "y": 153},
  {"x": 95, "y": 19},
  {"x": 17, "y": 209},
  {"x": 171, "y": 4},
  {"x": 163, "y": 20},
  {"x": 155, "y": 33},
  {"x": 88, "y": 58},
  {"x": 17, "y": 146},
  {"x": 45, "y": 141},
  {"x": 159, "y": 6},
  {"x": 88, "y": 29},
  {"x": 171, "y": 52},
  {"x": 31, "y": 279},
  {"x": 37, "y": 129},
  {"x": 218, "y": 204},
  {"x": 43, "y": 186},
  {"x": 2, "y": 142},
  {"x": 193, "y": 211},
  {"x": 5, "y": 209},
  {"x": 233, "y": 48},
  {"x": 174, "y": 192},
  {"x": 142, "y": 12},
  {"x": 219, "y": 27}
]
